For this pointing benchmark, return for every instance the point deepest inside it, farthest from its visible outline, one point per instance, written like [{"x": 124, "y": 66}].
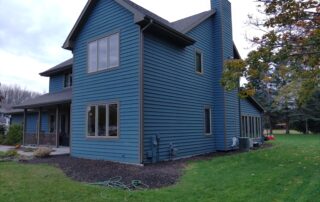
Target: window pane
[
  {"x": 198, "y": 62},
  {"x": 113, "y": 120},
  {"x": 243, "y": 126},
  {"x": 70, "y": 80},
  {"x": 114, "y": 50},
  {"x": 102, "y": 120},
  {"x": 92, "y": 57},
  {"x": 207, "y": 121},
  {"x": 52, "y": 124},
  {"x": 252, "y": 127},
  {"x": 66, "y": 80},
  {"x": 92, "y": 121},
  {"x": 103, "y": 53}
]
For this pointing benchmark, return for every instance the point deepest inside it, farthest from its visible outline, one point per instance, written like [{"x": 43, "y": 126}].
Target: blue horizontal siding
[
  {"x": 175, "y": 96},
  {"x": 248, "y": 109},
  {"x": 56, "y": 83},
  {"x": 32, "y": 122},
  {"x": 16, "y": 119},
  {"x": 231, "y": 98},
  {"x": 120, "y": 84},
  {"x": 226, "y": 113}
]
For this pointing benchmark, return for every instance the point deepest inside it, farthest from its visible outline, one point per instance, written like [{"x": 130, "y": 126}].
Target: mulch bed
[{"x": 154, "y": 175}]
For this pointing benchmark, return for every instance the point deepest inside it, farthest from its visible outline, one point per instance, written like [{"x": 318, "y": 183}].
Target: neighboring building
[
  {"x": 4, "y": 117},
  {"x": 140, "y": 89}
]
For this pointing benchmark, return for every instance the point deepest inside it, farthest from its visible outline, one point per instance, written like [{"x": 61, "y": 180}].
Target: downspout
[
  {"x": 142, "y": 89},
  {"x": 240, "y": 118}
]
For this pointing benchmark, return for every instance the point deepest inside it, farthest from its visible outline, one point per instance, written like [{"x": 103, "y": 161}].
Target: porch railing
[{"x": 44, "y": 139}]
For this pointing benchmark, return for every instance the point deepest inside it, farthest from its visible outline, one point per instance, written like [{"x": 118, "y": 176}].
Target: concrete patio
[{"x": 55, "y": 151}]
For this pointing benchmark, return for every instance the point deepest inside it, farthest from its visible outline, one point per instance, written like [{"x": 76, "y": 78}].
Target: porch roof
[{"x": 47, "y": 100}]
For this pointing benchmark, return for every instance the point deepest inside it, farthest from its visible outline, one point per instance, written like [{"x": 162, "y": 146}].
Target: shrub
[
  {"x": 2, "y": 139},
  {"x": 11, "y": 153},
  {"x": 14, "y": 135},
  {"x": 42, "y": 152},
  {"x": 2, "y": 129}
]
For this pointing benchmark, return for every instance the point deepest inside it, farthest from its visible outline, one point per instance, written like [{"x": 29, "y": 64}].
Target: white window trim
[
  {"x": 210, "y": 115},
  {"x": 107, "y": 121},
  {"x": 100, "y": 69}
]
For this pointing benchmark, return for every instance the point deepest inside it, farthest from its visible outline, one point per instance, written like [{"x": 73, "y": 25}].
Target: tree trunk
[
  {"x": 307, "y": 127},
  {"x": 270, "y": 125},
  {"x": 287, "y": 126}
]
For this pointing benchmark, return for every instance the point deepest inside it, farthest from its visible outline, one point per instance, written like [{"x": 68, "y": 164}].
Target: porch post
[
  {"x": 39, "y": 127},
  {"x": 70, "y": 128},
  {"x": 24, "y": 126},
  {"x": 57, "y": 126}
]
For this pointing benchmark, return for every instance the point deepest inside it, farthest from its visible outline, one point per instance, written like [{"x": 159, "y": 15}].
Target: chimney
[
  {"x": 227, "y": 102},
  {"x": 224, "y": 20}
]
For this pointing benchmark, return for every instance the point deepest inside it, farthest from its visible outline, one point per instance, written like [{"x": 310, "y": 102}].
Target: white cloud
[
  {"x": 24, "y": 71},
  {"x": 32, "y": 32}
]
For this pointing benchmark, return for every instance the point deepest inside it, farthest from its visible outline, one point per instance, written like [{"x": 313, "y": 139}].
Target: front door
[{"x": 64, "y": 137}]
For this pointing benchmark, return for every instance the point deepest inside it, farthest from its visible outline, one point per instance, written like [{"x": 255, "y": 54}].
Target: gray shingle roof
[
  {"x": 60, "y": 67},
  {"x": 147, "y": 12},
  {"x": 187, "y": 24},
  {"x": 7, "y": 109},
  {"x": 48, "y": 99}
]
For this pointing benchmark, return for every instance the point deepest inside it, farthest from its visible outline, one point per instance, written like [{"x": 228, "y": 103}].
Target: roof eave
[
  {"x": 31, "y": 106},
  {"x": 257, "y": 104},
  {"x": 50, "y": 73},
  {"x": 181, "y": 38},
  {"x": 68, "y": 42},
  {"x": 138, "y": 18}
]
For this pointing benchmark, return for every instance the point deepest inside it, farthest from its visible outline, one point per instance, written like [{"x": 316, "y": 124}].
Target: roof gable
[
  {"x": 255, "y": 103},
  {"x": 142, "y": 17}
]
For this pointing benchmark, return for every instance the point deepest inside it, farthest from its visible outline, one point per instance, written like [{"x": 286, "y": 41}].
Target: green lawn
[{"x": 290, "y": 171}]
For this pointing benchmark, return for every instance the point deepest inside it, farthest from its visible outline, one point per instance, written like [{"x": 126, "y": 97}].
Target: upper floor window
[
  {"x": 68, "y": 80},
  {"x": 199, "y": 62},
  {"x": 103, "y": 53}
]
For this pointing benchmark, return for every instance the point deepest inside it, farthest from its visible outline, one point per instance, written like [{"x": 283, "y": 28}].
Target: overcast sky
[{"x": 32, "y": 33}]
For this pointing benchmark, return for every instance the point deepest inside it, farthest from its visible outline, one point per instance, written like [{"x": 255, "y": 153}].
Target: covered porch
[{"x": 46, "y": 120}]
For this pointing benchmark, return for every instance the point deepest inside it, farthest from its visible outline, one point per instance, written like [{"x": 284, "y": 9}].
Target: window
[
  {"x": 199, "y": 62},
  {"x": 103, "y": 53},
  {"x": 52, "y": 123},
  {"x": 103, "y": 120},
  {"x": 68, "y": 80},
  {"x": 251, "y": 126},
  {"x": 207, "y": 120}
]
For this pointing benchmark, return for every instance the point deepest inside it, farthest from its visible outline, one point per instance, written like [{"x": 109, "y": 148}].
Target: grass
[{"x": 289, "y": 171}]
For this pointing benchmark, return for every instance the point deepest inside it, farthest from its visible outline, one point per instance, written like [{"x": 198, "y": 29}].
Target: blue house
[{"x": 140, "y": 89}]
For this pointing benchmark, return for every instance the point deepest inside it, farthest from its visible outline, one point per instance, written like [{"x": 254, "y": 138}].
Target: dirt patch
[{"x": 154, "y": 175}]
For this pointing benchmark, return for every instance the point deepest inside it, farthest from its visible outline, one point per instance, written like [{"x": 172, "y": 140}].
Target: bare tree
[{"x": 15, "y": 95}]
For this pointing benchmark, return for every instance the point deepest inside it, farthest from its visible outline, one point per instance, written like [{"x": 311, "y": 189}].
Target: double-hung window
[
  {"x": 104, "y": 53},
  {"x": 103, "y": 120}
]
